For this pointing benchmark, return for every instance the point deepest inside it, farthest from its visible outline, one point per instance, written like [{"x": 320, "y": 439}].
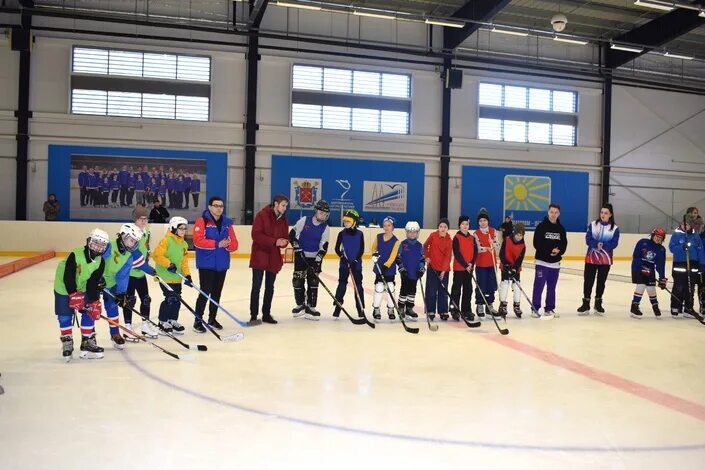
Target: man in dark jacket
[
  {"x": 550, "y": 241},
  {"x": 158, "y": 214},
  {"x": 214, "y": 239},
  {"x": 507, "y": 227},
  {"x": 270, "y": 233}
]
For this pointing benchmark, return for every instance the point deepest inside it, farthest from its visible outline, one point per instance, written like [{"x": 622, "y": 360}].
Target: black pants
[
  {"x": 211, "y": 283},
  {"x": 407, "y": 292},
  {"x": 682, "y": 289},
  {"x": 84, "y": 196},
  {"x": 186, "y": 194},
  {"x": 195, "y": 199},
  {"x": 139, "y": 285},
  {"x": 592, "y": 270},
  {"x": 169, "y": 308},
  {"x": 123, "y": 195},
  {"x": 269, "y": 278},
  {"x": 303, "y": 276},
  {"x": 462, "y": 280},
  {"x": 343, "y": 275}
]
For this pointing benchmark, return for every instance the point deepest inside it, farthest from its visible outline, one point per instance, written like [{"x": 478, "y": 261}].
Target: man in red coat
[{"x": 270, "y": 233}]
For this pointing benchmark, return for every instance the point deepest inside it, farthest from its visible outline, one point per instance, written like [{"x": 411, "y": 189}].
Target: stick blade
[
  {"x": 202, "y": 347},
  {"x": 239, "y": 336},
  {"x": 504, "y": 331}
]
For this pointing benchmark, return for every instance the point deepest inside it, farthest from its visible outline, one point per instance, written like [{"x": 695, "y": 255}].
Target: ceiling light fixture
[
  {"x": 654, "y": 5},
  {"x": 298, "y": 5},
  {"x": 620, "y": 47},
  {"x": 678, "y": 56},
  {"x": 450, "y": 24},
  {"x": 570, "y": 41},
  {"x": 509, "y": 31},
  {"x": 374, "y": 15}
]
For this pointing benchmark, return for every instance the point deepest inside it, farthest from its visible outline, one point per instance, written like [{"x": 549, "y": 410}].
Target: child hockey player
[
  {"x": 438, "y": 249},
  {"x": 688, "y": 256},
  {"x": 350, "y": 245},
  {"x": 385, "y": 247},
  {"x": 119, "y": 260},
  {"x": 138, "y": 281},
  {"x": 602, "y": 237},
  {"x": 77, "y": 287},
  {"x": 309, "y": 237},
  {"x": 170, "y": 258},
  {"x": 648, "y": 259},
  {"x": 511, "y": 255},
  {"x": 485, "y": 274},
  {"x": 410, "y": 261},
  {"x": 465, "y": 255}
]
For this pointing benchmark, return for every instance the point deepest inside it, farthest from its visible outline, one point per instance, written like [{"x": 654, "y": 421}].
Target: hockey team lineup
[{"x": 483, "y": 262}]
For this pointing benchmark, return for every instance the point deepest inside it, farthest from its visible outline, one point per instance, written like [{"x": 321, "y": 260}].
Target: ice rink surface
[{"x": 575, "y": 392}]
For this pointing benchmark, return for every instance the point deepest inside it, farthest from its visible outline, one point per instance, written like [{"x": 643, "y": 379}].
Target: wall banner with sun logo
[{"x": 524, "y": 195}]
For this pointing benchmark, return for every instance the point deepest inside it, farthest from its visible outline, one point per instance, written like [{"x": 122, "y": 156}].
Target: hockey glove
[
  {"x": 662, "y": 282},
  {"x": 420, "y": 273},
  {"x": 122, "y": 300},
  {"x": 297, "y": 248},
  {"x": 101, "y": 284},
  {"x": 188, "y": 281},
  {"x": 375, "y": 257},
  {"x": 403, "y": 272},
  {"x": 171, "y": 268},
  {"x": 76, "y": 300},
  {"x": 94, "y": 309},
  {"x": 512, "y": 273}
]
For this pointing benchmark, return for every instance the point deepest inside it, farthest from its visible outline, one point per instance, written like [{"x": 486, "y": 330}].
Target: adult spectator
[
  {"x": 550, "y": 241},
  {"x": 602, "y": 238},
  {"x": 507, "y": 227},
  {"x": 214, "y": 239},
  {"x": 270, "y": 233},
  {"x": 158, "y": 214},
  {"x": 51, "y": 208}
]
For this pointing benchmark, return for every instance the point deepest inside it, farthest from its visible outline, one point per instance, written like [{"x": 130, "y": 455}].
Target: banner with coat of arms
[{"x": 305, "y": 192}]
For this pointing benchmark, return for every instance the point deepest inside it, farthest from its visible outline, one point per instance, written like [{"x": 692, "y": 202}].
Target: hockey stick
[
  {"x": 139, "y": 337},
  {"x": 470, "y": 324},
  {"x": 408, "y": 329},
  {"x": 496, "y": 279},
  {"x": 207, "y": 296},
  {"x": 502, "y": 331},
  {"x": 356, "y": 321},
  {"x": 518, "y": 284},
  {"x": 428, "y": 320},
  {"x": 239, "y": 336},
  {"x": 199, "y": 347},
  {"x": 358, "y": 299},
  {"x": 692, "y": 312}
]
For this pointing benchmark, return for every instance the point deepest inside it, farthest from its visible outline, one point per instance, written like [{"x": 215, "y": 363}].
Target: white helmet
[
  {"x": 174, "y": 222},
  {"x": 130, "y": 235},
  {"x": 412, "y": 226},
  {"x": 97, "y": 241}
]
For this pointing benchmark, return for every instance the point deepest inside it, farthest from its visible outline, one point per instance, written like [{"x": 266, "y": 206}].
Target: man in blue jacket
[
  {"x": 688, "y": 265},
  {"x": 214, "y": 239}
]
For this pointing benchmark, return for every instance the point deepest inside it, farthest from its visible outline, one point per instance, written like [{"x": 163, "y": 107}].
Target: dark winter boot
[
  {"x": 198, "y": 326},
  {"x": 657, "y": 311},
  {"x": 455, "y": 314},
  {"x": 584, "y": 309},
  {"x": 598, "y": 307},
  {"x": 503, "y": 309},
  {"x": 634, "y": 312},
  {"x": 517, "y": 309},
  {"x": 67, "y": 347}
]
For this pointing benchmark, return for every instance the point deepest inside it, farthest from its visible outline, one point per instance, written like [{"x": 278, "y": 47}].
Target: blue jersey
[
  {"x": 388, "y": 251},
  {"x": 649, "y": 255},
  {"x": 312, "y": 238},
  {"x": 678, "y": 244},
  {"x": 350, "y": 245},
  {"x": 411, "y": 257}
]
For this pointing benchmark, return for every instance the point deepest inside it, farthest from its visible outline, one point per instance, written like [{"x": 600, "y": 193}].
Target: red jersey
[
  {"x": 438, "y": 249},
  {"x": 512, "y": 253},
  {"x": 464, "y": 251},
  {"x": 486, "y": 242}
]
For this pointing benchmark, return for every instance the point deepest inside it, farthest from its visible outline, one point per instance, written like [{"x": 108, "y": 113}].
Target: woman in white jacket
[{"x": 602, "y": 237}]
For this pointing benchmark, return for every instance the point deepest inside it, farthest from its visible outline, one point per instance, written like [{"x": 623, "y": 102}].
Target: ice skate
[
  {"x": 298, "y": 311},
  {"x": 657, "y": 311},
  {"x": 312, "y": 314},
  {"x": 129, "y": 337},
  {"x": 89, "y": 348},
  {"x": 517, "y": 309},
  {"x": 67, "y": 348},
  {"x": 391, "y": 314},
  {"x": 584, "y": 309},
  {"x": 599, "y": 311},
  {"x": 502, "y": 309},
  {"x": 634, "y": 312},
  {"x": 376, "y": 314},
  {"x": 118, "y": 341},
  {"x": 149, "y": 331},
  {"x": 176, "y": 327}
]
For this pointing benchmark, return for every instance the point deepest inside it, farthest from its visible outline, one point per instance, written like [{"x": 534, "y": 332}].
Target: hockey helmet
[
  {"x": 176, "y": 221},
  {"x": 97, "y": 241},
  {"x": 412, "y": 226},
  {"x": 389, "y": 218},
  {"x": 130, "y": 236},
  {"x": 351, "y": 216},
  {"x": 322, "y": 205},
  {"x": 658, "y": 232}
]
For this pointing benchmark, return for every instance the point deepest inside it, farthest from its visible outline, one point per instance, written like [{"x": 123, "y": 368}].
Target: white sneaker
[
  {"x": 130, "y": 337},
  {"x": 535, "y": 313},
  {"x": 548, "y": 315},
  {"x": 149, "y": 331}
]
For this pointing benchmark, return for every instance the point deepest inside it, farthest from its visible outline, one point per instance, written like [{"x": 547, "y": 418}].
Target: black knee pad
[
  {"x": 146, "y": 301},
  {"x": 131, "y": 302},
  {"x": 172, "y": 300}
]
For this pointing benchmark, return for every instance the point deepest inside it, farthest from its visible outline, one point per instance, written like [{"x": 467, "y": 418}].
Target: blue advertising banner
[
  {"x": 106, "y": 183},
  {"x": 374, "y": 188},
  {"x": 524, "y": 194}
]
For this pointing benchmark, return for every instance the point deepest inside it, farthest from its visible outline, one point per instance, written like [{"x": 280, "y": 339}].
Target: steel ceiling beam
[
  {"x": 655, "y": 33},
  {"x": 257, "y": 9},
  {"x": 474, "y": 10}
]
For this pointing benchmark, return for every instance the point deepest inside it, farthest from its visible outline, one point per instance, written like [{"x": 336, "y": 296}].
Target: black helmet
[{"x": 322, "y": 205}]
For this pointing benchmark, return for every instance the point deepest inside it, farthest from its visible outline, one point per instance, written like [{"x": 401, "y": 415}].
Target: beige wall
[{"x": 24, "y": 236}]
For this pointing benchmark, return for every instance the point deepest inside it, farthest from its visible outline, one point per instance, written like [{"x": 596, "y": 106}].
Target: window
[
  {"x": 350, "y": 100},
  {"x": 531, "y": 115},
  {"x": 140, "y": 84}
]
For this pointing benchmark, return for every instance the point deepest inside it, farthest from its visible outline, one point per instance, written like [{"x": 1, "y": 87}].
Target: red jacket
[
  {"x": 266, "y": 229},
  {"x": 439, "y": 251}
]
